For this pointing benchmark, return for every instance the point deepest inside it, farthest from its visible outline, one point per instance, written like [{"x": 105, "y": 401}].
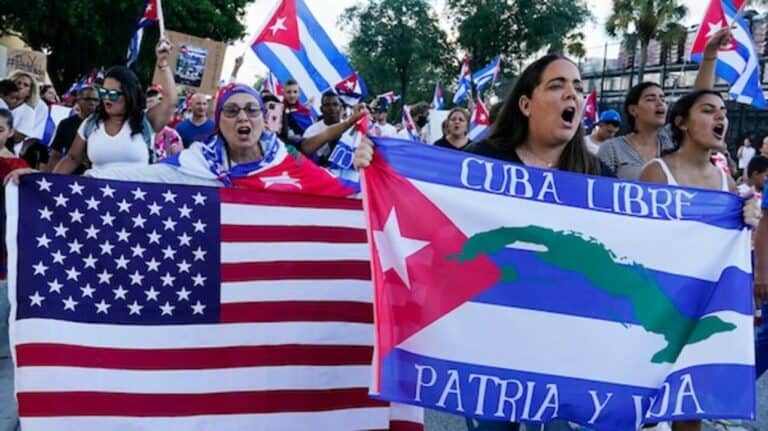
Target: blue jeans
[{"x": 761, "y": 344}]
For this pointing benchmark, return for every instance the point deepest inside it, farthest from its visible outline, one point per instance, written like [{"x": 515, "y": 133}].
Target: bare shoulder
[{"x": 653, "y": 173}]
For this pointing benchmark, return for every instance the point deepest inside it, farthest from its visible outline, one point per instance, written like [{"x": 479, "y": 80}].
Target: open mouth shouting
[
  {"x": 719, "y": 131},
  {"x": 568, "y": 116}
]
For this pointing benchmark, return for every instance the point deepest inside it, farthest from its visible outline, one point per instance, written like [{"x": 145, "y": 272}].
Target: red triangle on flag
[
  {"x": 416, "y": 278},
  {"x": 282, "y": 27}
]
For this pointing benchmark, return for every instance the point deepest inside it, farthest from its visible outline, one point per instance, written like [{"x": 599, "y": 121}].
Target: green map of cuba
[{"x": 570, "y": 251}]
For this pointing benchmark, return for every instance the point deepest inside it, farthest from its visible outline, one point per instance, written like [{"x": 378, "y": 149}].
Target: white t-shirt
[
  {"x": 387, "y": 130},
  {"x": 24, "y": 120},
  {"x": 110, "y": 151},
  {"x": 316, "y": 129},
  {"x": 746, "y": 155},
  {"x": 41, "y": 117},
  {"x": 592, "y": 147}
]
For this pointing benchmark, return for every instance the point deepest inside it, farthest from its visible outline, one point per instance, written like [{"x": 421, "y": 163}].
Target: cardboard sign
[
  {"x": 195, "y": 62},
  {"x": 32, "y": 62}
]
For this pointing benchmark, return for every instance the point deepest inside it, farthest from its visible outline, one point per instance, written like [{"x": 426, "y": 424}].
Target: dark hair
[
  {"x": 757, "y": 165},
  {"x": 34, "y": 153},
  {"x": 44, "y": 88},
  {"x": 510, "y": 130},
  {"x": 327, "y": 94},
  {"x": 8, "y": 115},
  {"x": 133, "y": 96},
  {"x": 633, "y": 98},
  {"x": 269, "y": 97},
  {"x": 291, "y": 81},
  {"x": 420, "y": 109},
  {"x": 82, "y": 90},
  {"x": 8, "y": 86},
  {"x": 493, "y": 113},
  {"x": 682, "y": 108}
]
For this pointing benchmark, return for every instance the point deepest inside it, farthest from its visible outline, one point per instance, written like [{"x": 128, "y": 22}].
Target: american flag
[{"x": 148, "y": 306}]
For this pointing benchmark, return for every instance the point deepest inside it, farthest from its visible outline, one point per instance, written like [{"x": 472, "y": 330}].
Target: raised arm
[
  {"x": 165, "y": 79},
  {"x": 705, "y": 78},
  {"x": 312, "y": 143}
]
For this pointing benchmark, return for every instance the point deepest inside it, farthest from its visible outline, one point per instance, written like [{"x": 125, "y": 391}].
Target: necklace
[{"x": 546, "y": 163}]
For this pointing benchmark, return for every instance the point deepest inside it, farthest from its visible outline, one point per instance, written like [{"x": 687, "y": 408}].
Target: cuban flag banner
[
  {"x": 486, "y": 76},
  {"x": 480, "y": 121},
  {"x": 519, "y": 294},
  {"x": 292, "y": 44},
  {"x": 738, "y": 64},
  {"x": 149, "y": 17}
]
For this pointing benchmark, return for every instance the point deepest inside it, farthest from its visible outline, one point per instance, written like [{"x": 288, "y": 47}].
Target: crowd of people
[{"x": 118, "y": 130}]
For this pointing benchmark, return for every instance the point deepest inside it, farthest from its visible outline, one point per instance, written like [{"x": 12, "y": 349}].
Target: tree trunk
[{"x": 643, "y": 57}]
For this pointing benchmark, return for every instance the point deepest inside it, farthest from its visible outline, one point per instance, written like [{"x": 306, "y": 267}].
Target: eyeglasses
[
  {"x": 232, "y": 110},
  {"x": 111, "y": 95}
]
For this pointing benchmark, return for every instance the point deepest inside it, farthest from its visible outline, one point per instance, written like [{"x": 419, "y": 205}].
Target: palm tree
[{"x": 645, "y": 19}]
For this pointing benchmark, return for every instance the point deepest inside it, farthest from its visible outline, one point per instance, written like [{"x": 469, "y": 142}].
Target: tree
[
  {"x": 81, "y": 34},
  {"x": 514, "y": 28},
  {"x": 397, "y": 45},
  {"x": 645, "y": 20}
]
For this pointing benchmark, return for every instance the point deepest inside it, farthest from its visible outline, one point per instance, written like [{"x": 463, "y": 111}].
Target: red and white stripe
[{"x": 294, "y": 351}]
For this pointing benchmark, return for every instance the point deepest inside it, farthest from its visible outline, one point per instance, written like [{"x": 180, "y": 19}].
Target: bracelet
[
  {"x": 162, "y": 66},
  {"x": 710, "y": 58}
]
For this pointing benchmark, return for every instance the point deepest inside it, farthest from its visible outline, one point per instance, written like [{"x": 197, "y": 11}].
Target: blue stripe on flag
[
  {"x": 470, "y": 172},
  {"x": 581, "y": 298},
  {"x": 526, "y": 392},
  {"x": 280, "y": 70},
  {"x": 322, "y": 40}
]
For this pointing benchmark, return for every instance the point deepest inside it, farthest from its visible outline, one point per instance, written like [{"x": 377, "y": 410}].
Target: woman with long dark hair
[{"x": 120, "y": 132}]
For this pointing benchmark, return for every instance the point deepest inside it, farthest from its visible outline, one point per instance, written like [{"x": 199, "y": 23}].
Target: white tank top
[{"x": 673, "y": 182}]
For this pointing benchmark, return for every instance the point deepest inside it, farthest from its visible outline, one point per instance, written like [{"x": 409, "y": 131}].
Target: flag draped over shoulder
[
  {"x": 149, "y": 306},
  {"x": 513, "y": 293}
]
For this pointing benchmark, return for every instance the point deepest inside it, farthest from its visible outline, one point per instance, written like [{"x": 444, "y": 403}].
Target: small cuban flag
[
  {"x": 351, "y": 89},
  {"x": 480, "y": 122},
  {"x": 408, "y": 125},
  {"x": 464, "y": 86},
  {"x": 150, "y": 17},
  {"x": 437, "y": 99}
]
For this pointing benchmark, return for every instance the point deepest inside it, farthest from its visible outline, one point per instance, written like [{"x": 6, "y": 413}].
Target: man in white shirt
[
  {"x": 607, "y": 126},
  {"x": 380, "y": 127},
  {"x": 745, "y": 154},
  {"x": 321, "y": 137}
]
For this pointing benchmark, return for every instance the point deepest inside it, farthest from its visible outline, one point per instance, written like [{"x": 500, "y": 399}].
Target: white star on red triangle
[
  {"x": 394, "y": 249},
  {"x": 278, "y": 25}
]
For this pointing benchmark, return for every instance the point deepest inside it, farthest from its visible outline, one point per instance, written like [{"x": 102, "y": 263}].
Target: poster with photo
[
  {"x": 190, "y": 65},
  {"x": 196, "y": 62}
]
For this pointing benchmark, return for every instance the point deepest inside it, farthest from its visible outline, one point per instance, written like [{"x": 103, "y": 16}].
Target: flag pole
[{"x": 160, "y": 18}]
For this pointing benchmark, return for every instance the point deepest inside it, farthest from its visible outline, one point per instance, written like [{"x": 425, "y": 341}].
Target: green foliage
[
  {"x": 81, "y": 34},
  {"x": 398, "y": 45},
  {"x": 516, "y": 29},
  {"x": 643, "y": 20}
]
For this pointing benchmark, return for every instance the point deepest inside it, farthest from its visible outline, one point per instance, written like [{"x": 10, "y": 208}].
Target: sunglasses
[
  {"x": 231, "y": 110},
  {"x": 111, "y": 95}
]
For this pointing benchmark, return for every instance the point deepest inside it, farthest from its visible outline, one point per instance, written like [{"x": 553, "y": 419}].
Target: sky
[{"x": 328, "y": 11}]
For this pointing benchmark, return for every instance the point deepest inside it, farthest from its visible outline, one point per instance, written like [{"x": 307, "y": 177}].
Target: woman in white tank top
[{"x": 699, "y": 124}]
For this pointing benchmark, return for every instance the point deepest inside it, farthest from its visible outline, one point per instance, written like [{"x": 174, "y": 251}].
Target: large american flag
[{"x": 148, "y": 306}]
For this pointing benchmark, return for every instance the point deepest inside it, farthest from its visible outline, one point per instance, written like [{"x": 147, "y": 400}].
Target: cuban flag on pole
[
  {"x": 148, "y": 18},
  {"x": 480, "y": 121},
  {"x": 272, "y": 84},
  {"x": 464, "y": 86},
  {"x": 409, "y": 127},
  {"x": 488, "y": 276},
  {"x": 292, "y": 44},
  {"x": 351, "y": 90},
  {"x": 488, "y": 75},
  {"x": 389, "y": 96},
  {"x": 737, "y": 64},
  {"x": 437, "y": 99}
]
